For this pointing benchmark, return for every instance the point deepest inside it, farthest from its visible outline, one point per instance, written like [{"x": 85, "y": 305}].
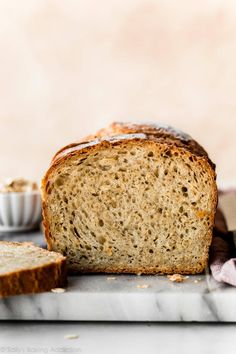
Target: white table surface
[{"x": 23, "y": 337}]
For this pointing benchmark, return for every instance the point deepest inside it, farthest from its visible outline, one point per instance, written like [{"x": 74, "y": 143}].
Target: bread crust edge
[{"x": 34, "y": 280}]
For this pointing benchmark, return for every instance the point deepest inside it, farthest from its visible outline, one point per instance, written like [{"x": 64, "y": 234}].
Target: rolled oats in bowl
[{"x": 20, "y": 205}]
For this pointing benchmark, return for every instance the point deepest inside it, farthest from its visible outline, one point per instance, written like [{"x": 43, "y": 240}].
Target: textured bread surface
[
  {"x": 25, "y": 268},
  {"x": 134, "y": 199}
]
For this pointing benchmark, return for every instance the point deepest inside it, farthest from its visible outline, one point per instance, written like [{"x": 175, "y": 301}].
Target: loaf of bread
[
  {"x": 25, "y": 268},
  {"x": 131, "y": 199}
]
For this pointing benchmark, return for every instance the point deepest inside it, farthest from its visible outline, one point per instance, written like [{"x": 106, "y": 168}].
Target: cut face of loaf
[
  {"x": 25, "y": 268},
  {"x": 130, "y": 204}
]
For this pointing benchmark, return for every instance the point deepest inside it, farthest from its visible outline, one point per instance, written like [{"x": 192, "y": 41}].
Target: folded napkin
[{"x": 222, "y": 253}]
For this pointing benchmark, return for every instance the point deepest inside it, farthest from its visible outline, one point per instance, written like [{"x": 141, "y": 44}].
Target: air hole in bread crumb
[
  {"x": 76, "y": 232},
  {"x": 105, "y": 168},
  {"x": 101, "y": 240},
  {"x": 150, "y": 154},
  {"x": 84, "y": 257},
  {"x": 65, "y": 200},
  {"x": 156, "y": 172},
  {"x": 184, "y": 189},
  {"x": 59, "y": 182},
  {"x": 168, "y": 153},
  {"x": 101, "y": 222},
  {"x": 113, "y": 204}
]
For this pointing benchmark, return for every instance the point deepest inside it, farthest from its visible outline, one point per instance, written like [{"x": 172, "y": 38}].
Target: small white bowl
[{"x": 20, "y": 211}]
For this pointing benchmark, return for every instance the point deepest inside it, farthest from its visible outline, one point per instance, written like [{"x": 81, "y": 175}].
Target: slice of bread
[
  {"x": 132, "y": 198},
  {"x": 25, "y": 268}
]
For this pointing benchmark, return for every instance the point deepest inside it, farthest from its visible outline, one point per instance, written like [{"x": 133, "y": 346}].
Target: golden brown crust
[
  {"x": 117, "y": 134},
  {"x": 35, "y": 280},
  {"x": 160, "y": 132}
]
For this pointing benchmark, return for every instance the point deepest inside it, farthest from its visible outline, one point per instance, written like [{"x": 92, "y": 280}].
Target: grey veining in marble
[
  {"x": 98, "y": 298},
  {"x": 101, "y": 298}
]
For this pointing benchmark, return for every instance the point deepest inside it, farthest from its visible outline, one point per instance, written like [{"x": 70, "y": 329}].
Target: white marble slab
[{"x": 96, "y": 298}]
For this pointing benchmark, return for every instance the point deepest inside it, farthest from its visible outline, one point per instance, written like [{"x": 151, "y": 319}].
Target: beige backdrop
[{"x": 69, "y": 67}]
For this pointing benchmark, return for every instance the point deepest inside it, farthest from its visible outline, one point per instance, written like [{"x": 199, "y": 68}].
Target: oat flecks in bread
[
  {"x": 134, "y": 199},
  {"x": 25, "y": 268}
]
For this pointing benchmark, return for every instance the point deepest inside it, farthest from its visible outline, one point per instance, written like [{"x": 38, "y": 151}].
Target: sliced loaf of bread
[
  {"x": 132, "y": 198},
  {"x": 25, "y": 268}
]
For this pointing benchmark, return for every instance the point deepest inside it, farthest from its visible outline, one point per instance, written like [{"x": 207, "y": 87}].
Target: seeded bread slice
[
  {"x": 131, "y": 199},
  {"x": 25, "y": 268}
]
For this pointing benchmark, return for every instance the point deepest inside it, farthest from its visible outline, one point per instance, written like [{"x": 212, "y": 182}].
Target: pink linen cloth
[{"x": 222, "y": 262}]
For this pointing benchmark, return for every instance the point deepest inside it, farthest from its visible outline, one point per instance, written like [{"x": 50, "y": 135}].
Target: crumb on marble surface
[
  {"x": 178, "y": 278},
  {"x": 58, "y": 290},
  {"x": 143, "y": 286},
  {"x": 197, "y": 280},
  {"x": 111, "y": 278},
  {"x": 71, "y": 336}
]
